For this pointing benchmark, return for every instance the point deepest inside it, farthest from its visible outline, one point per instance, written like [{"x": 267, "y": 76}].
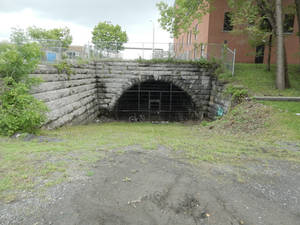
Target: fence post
[
  {"x": 233, "y": 62},
  {"x": 143, "y": 46}
]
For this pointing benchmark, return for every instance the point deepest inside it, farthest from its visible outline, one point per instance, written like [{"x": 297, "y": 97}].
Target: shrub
[
  {"x": 237, "y": 93},
  {"x": 17, "y": 61},
  {"x": 19, "y": 111}
]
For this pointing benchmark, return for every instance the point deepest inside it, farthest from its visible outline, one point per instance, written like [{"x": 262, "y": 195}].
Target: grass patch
[
  {"x": 25, "y": 165},
  {"x": 286, "y": 124},
  {"x": 261, "y": 82},
  {"x": 249, "y": 132}
]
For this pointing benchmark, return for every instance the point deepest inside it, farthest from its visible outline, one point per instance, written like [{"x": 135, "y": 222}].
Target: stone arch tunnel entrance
[{"x": 155, "y": 101}]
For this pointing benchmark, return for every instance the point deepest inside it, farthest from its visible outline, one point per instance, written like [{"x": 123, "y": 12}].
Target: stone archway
[{"x": 155, "y": 100}]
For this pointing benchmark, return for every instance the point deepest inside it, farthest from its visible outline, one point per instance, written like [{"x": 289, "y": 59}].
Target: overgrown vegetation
[
  {"x": 201, "y": 62},
  {"x": 238, "y": 93},
  {"x": 19, "y": 111},
  {"x": 64, "y": 67}
]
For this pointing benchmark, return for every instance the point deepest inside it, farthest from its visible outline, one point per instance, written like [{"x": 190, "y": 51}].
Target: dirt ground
[{"x": 142, "y": 187}]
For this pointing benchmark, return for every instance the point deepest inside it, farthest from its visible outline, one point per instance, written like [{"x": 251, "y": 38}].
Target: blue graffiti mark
[{"x": 220, "y": 111}]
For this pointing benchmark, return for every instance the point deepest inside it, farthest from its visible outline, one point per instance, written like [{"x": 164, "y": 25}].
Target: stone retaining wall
[
  {"x": 95, "y": 88},
  {"x": 220, "y": 102},
  {"x": 71, "y": 99},
  {"x": 116, "y": 77}
]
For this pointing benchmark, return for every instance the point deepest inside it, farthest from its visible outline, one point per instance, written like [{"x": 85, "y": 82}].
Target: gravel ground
[{"x": 157, "y": 187}]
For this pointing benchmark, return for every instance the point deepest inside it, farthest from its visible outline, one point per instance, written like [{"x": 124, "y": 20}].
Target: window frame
[
  {"x": 288, "y": 26},
  {"x": 227, "y": 26}
]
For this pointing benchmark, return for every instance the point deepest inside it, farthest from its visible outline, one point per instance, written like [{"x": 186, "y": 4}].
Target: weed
[
  {"x": 90, "y": 173},
  {"x": 238, "y": 93},
  {"x": 201, "y": 62},
  {"x": 64, "y": 67}
]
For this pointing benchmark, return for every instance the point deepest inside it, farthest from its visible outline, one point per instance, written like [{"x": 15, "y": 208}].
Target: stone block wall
[
  {"x": 220, "y": 102},
  {"x": 71, "y": 99},
  {"x": 95, "y": 88},
  {"x": 116, "y": 77}
]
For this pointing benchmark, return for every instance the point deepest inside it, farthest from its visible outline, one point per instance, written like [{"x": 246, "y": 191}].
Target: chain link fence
[{"x": 53, "y": 52}]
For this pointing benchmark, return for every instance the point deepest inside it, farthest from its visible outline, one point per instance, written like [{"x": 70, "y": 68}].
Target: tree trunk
[
  {"x": 297, "y": 2},
  {"x": 280, "y": 77},
  {"x": 270, "y": 52},
  {"x": 286, "y": 73}
]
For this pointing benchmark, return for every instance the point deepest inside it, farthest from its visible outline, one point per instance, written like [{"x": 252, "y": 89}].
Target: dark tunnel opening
[{"x": 155, "y": 101}]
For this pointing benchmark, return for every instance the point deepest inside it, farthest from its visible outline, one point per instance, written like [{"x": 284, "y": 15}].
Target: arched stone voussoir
[{"x": 142, "y": 79}]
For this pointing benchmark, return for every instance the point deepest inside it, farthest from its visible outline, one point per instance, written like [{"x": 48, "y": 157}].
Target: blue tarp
[{"x": 51, "y": 56}]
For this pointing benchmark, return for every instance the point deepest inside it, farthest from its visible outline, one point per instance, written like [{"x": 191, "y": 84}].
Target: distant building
[
  {"x": 215, "y": 29},
  {"x": 75, "y": 51}
]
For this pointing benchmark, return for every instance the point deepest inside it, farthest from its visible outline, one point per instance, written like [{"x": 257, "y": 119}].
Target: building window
[
  {"x": 187, "y": 37},
  {"x": 227, "y": 22},
  {"x": 196, "y": 31},
  {"x": 288, "y": 24},
  {"x": 190, "y": 38}
]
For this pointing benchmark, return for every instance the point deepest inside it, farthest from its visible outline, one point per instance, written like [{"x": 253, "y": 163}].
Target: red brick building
[{"x": 215, "y": 29}]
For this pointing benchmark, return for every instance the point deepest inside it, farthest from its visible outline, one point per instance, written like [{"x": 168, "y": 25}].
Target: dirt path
[{"x": 152, "y": 188}]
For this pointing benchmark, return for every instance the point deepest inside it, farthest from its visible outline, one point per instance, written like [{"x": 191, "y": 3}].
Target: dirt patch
[
  {"x": 155, "y": 187},
  {"x": 248, "y": 117}
]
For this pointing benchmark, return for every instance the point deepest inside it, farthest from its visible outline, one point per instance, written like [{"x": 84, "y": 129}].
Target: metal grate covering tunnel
[{"x": 155, "y": 101}]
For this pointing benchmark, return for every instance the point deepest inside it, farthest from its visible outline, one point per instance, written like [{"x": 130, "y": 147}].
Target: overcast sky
[{"x": 81, "y": 16}]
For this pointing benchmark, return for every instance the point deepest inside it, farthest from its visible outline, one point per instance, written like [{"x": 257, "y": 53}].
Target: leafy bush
[
  {"x": 19, "y": 111},
  {"x": 17, "y": 61}
]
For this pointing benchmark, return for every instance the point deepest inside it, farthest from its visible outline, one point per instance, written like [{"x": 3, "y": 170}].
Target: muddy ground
[{"x": 142, "y": 187}]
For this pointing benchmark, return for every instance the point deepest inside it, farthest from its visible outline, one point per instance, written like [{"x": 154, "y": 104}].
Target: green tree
[
  {"x": 254, "y": 17},
  {"x": 63, "y": 35},
  {"x": 109, "y": 37},
  {"x": 17, "y": 61},
  {"x": 258, "y": 19},
  {"x": 178, "y": 18},
  {"x": 18, "y": 36},
  {"x": 19, "y": 111},
  {"x": 249, "y": 17}
]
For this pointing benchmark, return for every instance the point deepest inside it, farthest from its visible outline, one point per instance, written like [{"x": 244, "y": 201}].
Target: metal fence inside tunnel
[{"x": 155, "y": 101}]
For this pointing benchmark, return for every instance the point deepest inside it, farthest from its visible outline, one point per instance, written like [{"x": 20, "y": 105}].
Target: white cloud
[
  {"x": 138, "y": 31},
  {"x": 28, "y": 17}
]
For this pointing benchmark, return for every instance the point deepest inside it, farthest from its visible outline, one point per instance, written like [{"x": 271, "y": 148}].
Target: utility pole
[{"x": 153, "y": 38}]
